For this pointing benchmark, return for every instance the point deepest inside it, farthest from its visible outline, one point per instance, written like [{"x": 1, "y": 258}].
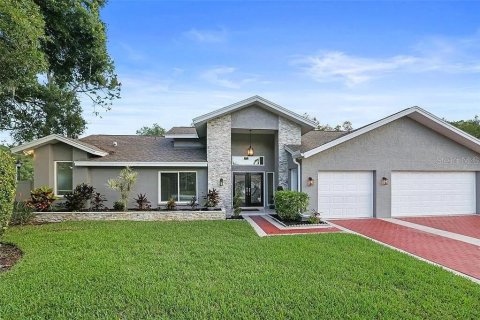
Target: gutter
[{"x": 299, "y": 174}]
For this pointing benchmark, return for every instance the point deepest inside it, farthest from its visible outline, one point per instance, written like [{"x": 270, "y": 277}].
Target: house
[{"x": 410, "y": 163}]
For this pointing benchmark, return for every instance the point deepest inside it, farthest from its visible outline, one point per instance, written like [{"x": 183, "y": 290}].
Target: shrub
[
  {"x": 212, "y": 198},
  {"x": 171, "y": 204},
  {"x": 124, "y": 184},
  {"x": 314, "y": 217},
  {"x": 290, "y": 205},
  {"x": 42, "y": 199},
  {"x": 237, "y": 202},
  {"x": 142, "y": 202},
  {"x": 7, "y": 188},
  {"x": 119, "y": 206},
  {"x": 193, "y": 203},
  {"x": 22, "y": 213},
  {"x": 77, "y": 200},
  {"x": 97, "y": 202}
]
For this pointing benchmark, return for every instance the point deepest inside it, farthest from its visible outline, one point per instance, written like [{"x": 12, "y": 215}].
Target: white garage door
[
  {"x": 345, "y": 194},
  {"x": 433, "y": 193}
]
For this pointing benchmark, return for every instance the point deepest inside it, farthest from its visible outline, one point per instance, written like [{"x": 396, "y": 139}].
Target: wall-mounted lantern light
[
  {"x": 250, "y": 149},
  {"x": 384, "y": 181},
  {"x": 221, "y": 182},
  {"x": 310, "y": 181}
]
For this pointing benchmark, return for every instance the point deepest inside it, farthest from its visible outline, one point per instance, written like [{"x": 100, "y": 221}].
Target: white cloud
[
  {"x": 207, "y": 36},
  {"x": 224, "y": 76},
  {"x": 335, "y": 65},
  {"x": 437, "y": 54}
]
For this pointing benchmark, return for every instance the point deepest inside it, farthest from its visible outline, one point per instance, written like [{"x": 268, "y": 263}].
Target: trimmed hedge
[
  {"x": 290, "y": 205},
  {"x": 8, "y": 185}
]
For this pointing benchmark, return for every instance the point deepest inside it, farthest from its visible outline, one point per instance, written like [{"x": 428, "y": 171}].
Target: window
[
  {"x": 181, "y": 186},
  {"x": 247, "y": 161},
  {"x": 63, "y": 177}
]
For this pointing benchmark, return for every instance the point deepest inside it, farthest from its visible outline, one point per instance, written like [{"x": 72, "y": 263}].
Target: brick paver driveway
[
  {"x": 464, "y": 225},
  {"x": 454, "y": 254}
]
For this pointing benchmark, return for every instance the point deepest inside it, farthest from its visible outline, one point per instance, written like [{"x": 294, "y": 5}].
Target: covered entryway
[
  {"x": 345, "y": 194},
  {"x": 249, "y": 187},
  {"x": 433, "y": 193}
]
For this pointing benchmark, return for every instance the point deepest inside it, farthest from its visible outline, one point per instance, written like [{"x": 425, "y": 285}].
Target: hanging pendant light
[{"x": 250, "y": 149}]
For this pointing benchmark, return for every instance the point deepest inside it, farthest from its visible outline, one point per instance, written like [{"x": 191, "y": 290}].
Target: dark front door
[{"x": 249, "y": 186}]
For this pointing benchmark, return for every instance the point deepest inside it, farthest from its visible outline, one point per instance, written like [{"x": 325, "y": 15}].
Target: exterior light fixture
[
  {"x": 221, "y": 182},
  {"x": 250, "y": 149},
  {"x": 384, "y": 181},
  {"x": 310, "y": 181}
]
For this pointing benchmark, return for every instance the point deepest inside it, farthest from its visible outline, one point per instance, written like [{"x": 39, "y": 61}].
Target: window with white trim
[
  {"x": 247, "y": 161},
  {"x": 181, "y": 186},
  {"x": 63, "y": 177}
]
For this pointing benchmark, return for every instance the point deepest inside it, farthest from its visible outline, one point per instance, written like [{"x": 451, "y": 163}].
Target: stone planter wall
[{"x": 130, "y": 216}]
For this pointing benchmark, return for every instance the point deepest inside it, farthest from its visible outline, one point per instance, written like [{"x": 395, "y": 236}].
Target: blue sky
[{"x": 356, "y": 61}]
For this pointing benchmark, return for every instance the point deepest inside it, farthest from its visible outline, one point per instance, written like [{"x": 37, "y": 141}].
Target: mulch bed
[
  {"x": 296, "y": 223},
  {"x": 235, "y": 218},
  {"x": 9, "y": 255}
]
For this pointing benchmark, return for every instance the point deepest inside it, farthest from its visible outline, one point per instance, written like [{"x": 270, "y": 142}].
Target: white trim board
[
  {"x": 56, "y": 137},
  {"x": 139, "y": 164},
  {"x": 418, "y": 114}
]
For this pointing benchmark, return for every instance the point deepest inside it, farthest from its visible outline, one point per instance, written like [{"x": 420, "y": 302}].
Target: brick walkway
[
  {"x": 464, "y": 225},
  {"x": 272, "y": 230},
  {"x": 454, "y": 254}
]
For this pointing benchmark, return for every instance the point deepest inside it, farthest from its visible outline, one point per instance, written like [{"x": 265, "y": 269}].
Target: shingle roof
[
  {"x": 142, "y": 149},
  {"x": 316, "y": 138},
  {"x": 182, "y": 130}
]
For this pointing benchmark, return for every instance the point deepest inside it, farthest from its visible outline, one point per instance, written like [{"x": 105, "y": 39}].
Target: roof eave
[{"x": 59, "y": 138}]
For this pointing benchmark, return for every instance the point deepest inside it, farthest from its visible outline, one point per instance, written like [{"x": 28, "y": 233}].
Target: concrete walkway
[{"x": 266, "y": 226}]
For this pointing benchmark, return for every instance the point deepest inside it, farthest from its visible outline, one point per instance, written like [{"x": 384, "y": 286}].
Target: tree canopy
[
  {"x": 345, "y": 126},
  {"x": 154, "y": 130},
  {"x": 54, "y": 56},
  {"x": 471, "y": 126}
]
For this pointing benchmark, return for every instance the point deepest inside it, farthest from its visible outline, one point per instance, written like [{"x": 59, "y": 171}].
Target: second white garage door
[
  {"x": 345, "y": 194},
  {"x": 433, "y": 193}
]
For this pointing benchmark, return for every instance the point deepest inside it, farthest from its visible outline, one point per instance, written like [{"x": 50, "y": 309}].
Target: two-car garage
[{"x": 351, "y": 194}]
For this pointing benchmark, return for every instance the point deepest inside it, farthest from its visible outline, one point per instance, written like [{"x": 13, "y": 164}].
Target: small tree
[
  {"x": 124, "y": 184},
  {"x": 237, "y": 203},
  {"x": 7, "y": 189}
]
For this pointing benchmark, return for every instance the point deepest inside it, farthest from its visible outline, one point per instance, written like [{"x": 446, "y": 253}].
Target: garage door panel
[
  {"x": 346, "y": 194},
  {"x": 433, "y": 193}
]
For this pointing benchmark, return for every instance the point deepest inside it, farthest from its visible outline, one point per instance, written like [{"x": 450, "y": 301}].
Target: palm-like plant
[{"x": 124, "y": 184}]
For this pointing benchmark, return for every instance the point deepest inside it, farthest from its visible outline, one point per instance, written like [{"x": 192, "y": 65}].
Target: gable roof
[
  {"x": 54, "y": 138},
  {"x": 314, "y": 139},
  {"x": 418, "y": 114},
  {"x": 136, "y": 150},
  {"x": 305, "y": 123}
]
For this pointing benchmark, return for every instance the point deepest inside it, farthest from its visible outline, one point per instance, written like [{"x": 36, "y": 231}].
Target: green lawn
[{"x": 220, "y": 269}]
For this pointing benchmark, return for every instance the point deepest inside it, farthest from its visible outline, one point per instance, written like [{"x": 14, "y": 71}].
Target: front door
[{"x": 249, "y": 186}]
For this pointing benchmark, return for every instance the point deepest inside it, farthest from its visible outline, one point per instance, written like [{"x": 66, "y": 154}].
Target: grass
[{"x": 220, "y": 269}]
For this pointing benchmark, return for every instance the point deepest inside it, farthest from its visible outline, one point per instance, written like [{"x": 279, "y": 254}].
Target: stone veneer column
[
  {"x": 219, "y": 157},
  {"x": 288, "y": 133}
]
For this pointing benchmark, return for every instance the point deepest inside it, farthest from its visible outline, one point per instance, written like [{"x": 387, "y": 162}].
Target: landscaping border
[{"x": 42, "y": 217}]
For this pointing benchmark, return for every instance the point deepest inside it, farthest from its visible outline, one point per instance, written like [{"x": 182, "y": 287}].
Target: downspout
[{"x": 299, "y": 174}]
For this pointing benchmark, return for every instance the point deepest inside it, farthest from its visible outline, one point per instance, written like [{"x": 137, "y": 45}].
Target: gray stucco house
[{"x": 410, "y": 163}]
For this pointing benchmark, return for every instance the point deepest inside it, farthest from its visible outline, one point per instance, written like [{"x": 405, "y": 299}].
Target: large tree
[
  {"x": 154, "y": 130},
  {"x": 470, "y": 126},
  {"x": 76, "y": 68}
]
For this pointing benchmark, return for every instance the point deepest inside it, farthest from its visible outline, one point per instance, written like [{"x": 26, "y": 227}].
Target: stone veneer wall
[
  {"x": 288, "y": 133},
  {"x": 219, "y": 157},
  {"x": 130, "y": 216}
]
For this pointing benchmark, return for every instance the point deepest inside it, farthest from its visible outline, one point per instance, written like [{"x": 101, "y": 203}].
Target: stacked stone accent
[
  {"x": 288, "y": 133},
  {"x": 219, "y": 157},
  {"x": 130, "y": 216}
]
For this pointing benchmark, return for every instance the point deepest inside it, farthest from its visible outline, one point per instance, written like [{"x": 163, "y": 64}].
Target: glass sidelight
[{"x": 249, "y": 186}]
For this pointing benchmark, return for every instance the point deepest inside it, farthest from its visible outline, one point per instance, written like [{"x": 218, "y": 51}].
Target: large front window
[
  {"x": 180, "y": 186},
  {"x": 64, "y": 177}
]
